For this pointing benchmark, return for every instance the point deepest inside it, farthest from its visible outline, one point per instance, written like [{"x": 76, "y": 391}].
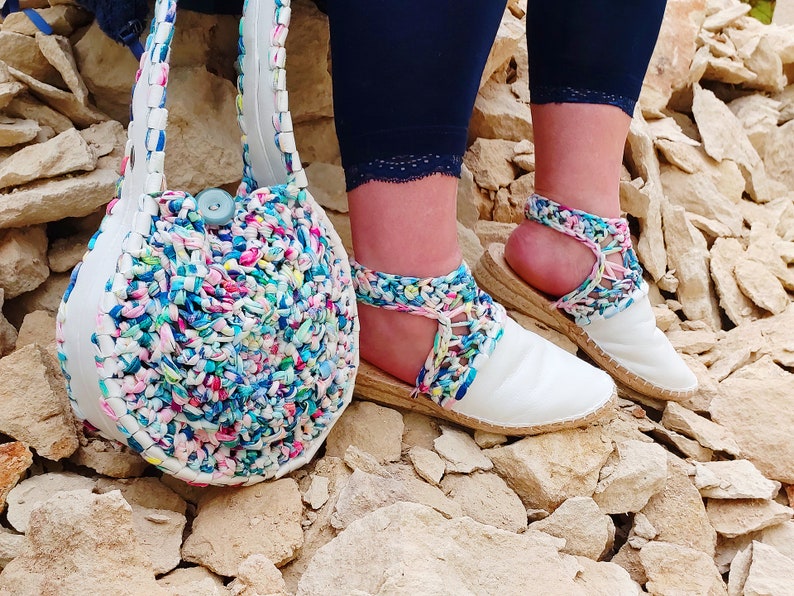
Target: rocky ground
[{"x": 665, "y": 498}]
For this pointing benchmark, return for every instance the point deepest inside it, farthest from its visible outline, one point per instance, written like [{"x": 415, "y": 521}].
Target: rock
[
  {"x": 149, "y": 493},
  {"x": 203, "y": 139},
  {"x": 58, "y": 52},
  {"x": 420, "y": 430},
  {"x": 634, "y": 472},
  {"x": 675, "y": 48},
  {"x": 15, "y": 132},
  {"x": 31, "y": 385},
  {"x": 366, "y": 492},
  {"x": 263, "y": 519},
  {"x": 11, "y": 546},
  {"x": 506, "y": 44},
  {"x": 469, "y": 245},
  {"x": 759, "y": 116},
  {"x": 486, "y": 440},
  {"x": 63, "y": 19},
  {"x": 317, "y": 494},
  {"x": 735, "y": 517},
  {"x": 317, "y": 140},
  {"x": 38, "y": 327},
  {"x": 23, "y": 260},
  {"x": 355, "y": 459},
  {"x": 486, "y": 498},
  {"x": 689, "y": 448},
  {"x": 30, "y": 493},
  {"x": 493, "y": 231},
  {"x": 25, "y": 107},
  {"x": 738, "y": 479},
  {"x": 704, "y": 431},
  {"x": 766, "y": 571},
  {"x": 327, "y": 185},
  {"x": 65, "y": 253},
  {"x": 587, "y": 531},
  {"x": 678, "y": 513},
  {"x": 309, "y": 80},
  {"x": 778, "y": 154},
  {"x": 15, "y": 459},
  {"x": 688, "y": 256},
  {"x": 675, "y": 569},
  {"x": 411, "y": 549},
  {"x": 46, "y": 297},
  {"x": 468, "y": 199},
  {"x": 81, "y": 543},
  {"x": 758, "y": 414},
  {"x": 761, "y": 286},
  {"x": 427, "y": 464},
  {"x": 64, "y": 102},
  {"x": 460, "y": 452},
  {"x": 192, "y": 581},
  {"x": 499, "y": 115},
  {"x": 547, "y": 469},
  {"x": 372, "y": 428},
  {"x": 733, "y": 301},
  {"x": 258, "y": 576},
  {"x": 491, "y": 163},
  {"x": 63, "y": 154},
  {"x": 22, "y": 52},
  {"x": 605, "y": 579},
  {"x": 8, "y": 91},
  {"x": 106, "y": 138},
  {"x": 108, "y": 458},
  {"x": 52, "y": 200}
]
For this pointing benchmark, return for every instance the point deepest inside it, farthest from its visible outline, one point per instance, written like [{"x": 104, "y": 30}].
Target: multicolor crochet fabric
[
  {"x": 224, "y": 353},
  {"x": 453, "y": 362},
  {"x": 603, "y": 237}
]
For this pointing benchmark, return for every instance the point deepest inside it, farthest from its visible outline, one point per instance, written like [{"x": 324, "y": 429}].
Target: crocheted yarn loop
[
  {"x": 460, "y": 346},
  {"x": 611, "y": 287}
]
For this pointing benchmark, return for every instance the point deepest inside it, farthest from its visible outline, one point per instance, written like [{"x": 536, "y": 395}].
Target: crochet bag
[{"x": 215, "y": 335}]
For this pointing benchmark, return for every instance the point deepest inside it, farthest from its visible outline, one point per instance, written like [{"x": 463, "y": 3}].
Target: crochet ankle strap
[
  {"x": 603, "y": 236},
  {"x": 453, "y": 362}
]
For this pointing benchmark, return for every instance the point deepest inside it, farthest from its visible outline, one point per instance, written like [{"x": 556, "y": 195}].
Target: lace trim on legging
[
  {"x": 402, "y": 168},
  {"x": 547, "y": 94}
]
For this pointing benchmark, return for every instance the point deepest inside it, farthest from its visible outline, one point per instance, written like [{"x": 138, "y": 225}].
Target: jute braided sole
[
  {"x": 373, "y": 384},
  {"x": 496, "y": 277}
]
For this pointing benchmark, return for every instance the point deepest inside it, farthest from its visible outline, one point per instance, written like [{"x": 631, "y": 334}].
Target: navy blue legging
[{"x": 406, "y": 72}]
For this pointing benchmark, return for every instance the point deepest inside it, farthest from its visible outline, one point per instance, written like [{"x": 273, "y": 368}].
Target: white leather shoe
[
  {"x": 485, "y": 372},
  {"x": 614, "y": 322}
]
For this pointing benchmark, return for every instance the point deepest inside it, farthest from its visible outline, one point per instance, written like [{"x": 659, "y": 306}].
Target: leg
[{"x": 405, "y": 78}]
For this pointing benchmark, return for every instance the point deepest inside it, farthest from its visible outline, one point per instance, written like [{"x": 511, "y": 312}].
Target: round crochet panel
[{"x": 231, "y": 347}]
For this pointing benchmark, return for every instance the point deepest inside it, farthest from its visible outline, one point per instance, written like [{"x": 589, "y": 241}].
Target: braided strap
[
  {"x": 452, "y": 364},
  {"x": 603, "y": 236}
]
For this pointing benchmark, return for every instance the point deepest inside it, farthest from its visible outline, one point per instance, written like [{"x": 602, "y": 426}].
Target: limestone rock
[
  {"x": 15, "y": 132},
  {"x": 499, "y": 115},
  {"x": 766, "y": 571},
  {"x": 761, "y": 286},
  {"x": 486, "y": 498},
  {"x": 52, "y": 200},
  {"x": 372, "y": 428},
  {"x": 508, "y": 39},
  {"x": 258, "y": 576},
  {"x": 38, "y": 327},
  {"x": 261, "y": 519},
  {"x": 203, "y": 139},
  {"x": 688, "y": 447},
  {"x": 491, "y": 163},
  {"x": 547, "y": 469},
  {"x": 411, "y": 549},
  {"x": 468, "y": 199},
  {"x": 58, "y": 52},
  {"x": 15, "y": 459},
  {"x": 460, "y": 452},
  {"x": 65, "y": 253},
  {"x": 31, "y": 385},
  {"x": 678, "y": 512},
  {"x": 327, "y": 185},
  {"x": 758, "y": 414},
  {"x": 11, "y": 546},
  {"x": 675, "y": 569},
  {"x": 605, "y": 579},
  {"x": 23, "y": 261},
  {"x": 366, "y": 492},
  {"x": 778, "y": 154},
  {"x": 63, "y": 19},
  {"x": 493, "y": 231},
  {"x": 738, "y": 479},
  {"x": 64, "y": 102},
  {"x": 704, "y": 431},
  {"x": 63, "y": 154},
  {"x": 688, "y": 256},
  {"x": 587, "y": 531},
  {"x": 427, "y": 464},
  {"x": 46, "y": 297},
  {"x": 634, "y": 472},
  {"x": 30, "y": 493},
  {"x": 469, "y": 245},
  {"x": 150, "y": 493},
  {"x": 309, "y": 80},
  {"x": 317, "y": 494},
  {"x": 675, "y": 48},
  {"x": 420, "y": 430},
  {"x": 735, "y": 517},
  {"x": 317, "y": 140},
  {"x": 759, "y": 116},
  {"x": 81, "y": 543},
  {"x": 106, "y": 138},
  {"x": 22, "y": 52},
  {"x": 733, "y": 301},
  {"x": 192, "y": 581},
  {"x": 27, "y": 108},
  {"x": 486, "y": 440}
]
